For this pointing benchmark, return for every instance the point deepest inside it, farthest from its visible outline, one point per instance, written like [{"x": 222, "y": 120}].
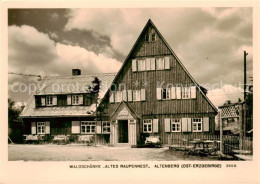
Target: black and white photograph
[{"x": 117, "y": 85}]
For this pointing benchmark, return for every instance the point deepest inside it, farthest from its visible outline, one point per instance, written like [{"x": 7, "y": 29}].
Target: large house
[{"x": 153, "y": 94}]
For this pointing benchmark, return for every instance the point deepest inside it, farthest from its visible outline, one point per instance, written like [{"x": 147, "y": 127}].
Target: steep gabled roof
[
  {"x": 173, "y": 53},
  {"x": 72, "y": 84},
  {"x": 66, "y": 111}
]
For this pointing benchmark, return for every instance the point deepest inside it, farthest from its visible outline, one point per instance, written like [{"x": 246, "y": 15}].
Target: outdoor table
[
  {"x": 245, "y": 157},
  {"x": 60, "y": 138},
  {"x": 242, "y": 151},
  {"x": 198, "y": 149}
]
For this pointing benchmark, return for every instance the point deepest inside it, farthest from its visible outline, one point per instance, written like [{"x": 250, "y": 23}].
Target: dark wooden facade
[
  {"x": 177, "y": 75},
  {"x": 132, "y": 113}
]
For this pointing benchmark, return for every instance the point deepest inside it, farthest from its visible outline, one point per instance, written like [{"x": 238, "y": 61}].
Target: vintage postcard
[{"x": 129, "y": 92}]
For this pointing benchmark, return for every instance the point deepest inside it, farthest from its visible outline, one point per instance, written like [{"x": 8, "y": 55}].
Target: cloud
[
  {"x": 208, "y": 40},
  {"x": 33, "y": 52},
  {"x": 226, "y": 92},
  {"x": 82, "y": 58}
]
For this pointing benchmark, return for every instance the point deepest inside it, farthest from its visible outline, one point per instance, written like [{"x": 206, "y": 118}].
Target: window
[
  {"x": 40, "y": 127},
  {"x": 176, "y": 125},
  {"x": 147, "y": 126},
  {"x": 185, "y": 93},
  {"x": 147, "y": 37},
  {"x": 136, "y": 95},
  {"x": 105, "y": 127},
  {"x": 49, "y": 100},
  {"x": 153, "y": 37},
  {"x": 166, "y": 93},
  {"x": 75, "y": 99},
  {"x": 88, "y": 127},
  {"x": 159, "y": 63},
  {"x": 197, "y": 125}
]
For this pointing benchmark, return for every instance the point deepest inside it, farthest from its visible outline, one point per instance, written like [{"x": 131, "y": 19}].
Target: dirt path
[{"x": 90, "y": 153}]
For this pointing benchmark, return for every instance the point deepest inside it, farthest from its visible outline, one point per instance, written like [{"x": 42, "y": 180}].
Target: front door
[{"x": 122, "y": 131}]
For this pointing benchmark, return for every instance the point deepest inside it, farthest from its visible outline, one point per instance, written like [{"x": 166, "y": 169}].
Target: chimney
[{"x": 76, "y": 72}]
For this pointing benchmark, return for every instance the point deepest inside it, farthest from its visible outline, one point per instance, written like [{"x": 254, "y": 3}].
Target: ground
[{"x": 70, "y": 152}]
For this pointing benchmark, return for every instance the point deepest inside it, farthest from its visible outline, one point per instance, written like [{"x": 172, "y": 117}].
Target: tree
[{"x": 15, "y": 126}]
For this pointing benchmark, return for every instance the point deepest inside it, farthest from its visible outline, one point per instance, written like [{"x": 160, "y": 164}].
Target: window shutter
[
  {"x": 81, "y": 99},
  {"x": 54, "y": 100},
  {"x": 124, "y": 95},
  {"x": 184, "y": 124},
  {"x": 68, "y": 99},
  {"x": 159, "y": 93},
  {"x": 155, "y": 125},
  {"x": 43, "y": 101},
  {"x": 99, "y": 127},
  {"x": 206, "y": 124},
  {"x": 47, "y": 127},
  {"x": 189, "y": 124},
  {"x": 152, "y": 60},
  {"x": 143, "y": 64},
  {"x": 160, "y": 63},
  {"x": 129, "y": 95},
  {"x": 75, "y": 127},
  {"x": 167, "y": 62},
  {"x": 143, "y": 97},
  {"x": 167, "y": 124},
  {"x": 138, "y": 95},
  {"x": 148, "y": 64},
  {"x": 120, "y": 96},
  {"x": 112, "y": 97},
  {"x": 178, "y": 92},
  {"x": 163, "y": 63},
  {"x": 134, "y": 69},
  {"x": 173, "y": 93},
  {"x": 139, "y": 65},
  {"x": 33, "y": 128},
  {"x": 193, "y": 91}
]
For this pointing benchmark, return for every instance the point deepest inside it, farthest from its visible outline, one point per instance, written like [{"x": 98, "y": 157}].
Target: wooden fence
[{"x": 230, "y": 142}]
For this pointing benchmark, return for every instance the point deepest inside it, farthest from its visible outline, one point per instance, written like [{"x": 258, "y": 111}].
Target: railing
[{"x": 230, "y": 142}]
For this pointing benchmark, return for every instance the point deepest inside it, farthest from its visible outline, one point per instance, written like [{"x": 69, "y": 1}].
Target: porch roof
[{"x": 129, "y": 108}]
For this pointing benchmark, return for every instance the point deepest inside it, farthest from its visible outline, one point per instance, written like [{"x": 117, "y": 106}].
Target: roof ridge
[{"x": 79, "y": 76}]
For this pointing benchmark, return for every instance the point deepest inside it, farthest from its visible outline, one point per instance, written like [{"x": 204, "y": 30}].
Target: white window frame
[
  {"x": 195, "y": 124},
  {"x": 177, "y": 123},
  {"x": 146, "y": 123},
  {"x": 185, "y": 92},
  {"x": 154, "y": 37},
  {"x": 75, "y": 99},
  {"x": 87, "y": 124},
  {"x": 168, "y": 93},
  {"x": 105, "y": 127},
  {"x": 41, "y": 128},
  {"x": 49, "y": 100}
]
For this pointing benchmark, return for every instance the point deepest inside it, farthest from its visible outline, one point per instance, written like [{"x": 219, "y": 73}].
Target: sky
[{"x": 209, "y": 42}]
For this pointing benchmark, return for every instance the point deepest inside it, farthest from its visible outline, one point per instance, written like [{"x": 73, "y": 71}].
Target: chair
[
  {"x": 59, "y": 139},
  {"x": 86, "y": 139}
]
